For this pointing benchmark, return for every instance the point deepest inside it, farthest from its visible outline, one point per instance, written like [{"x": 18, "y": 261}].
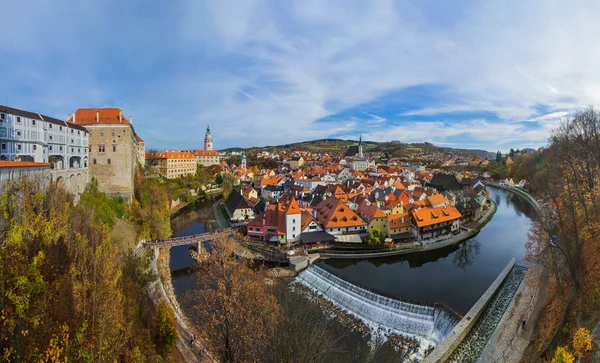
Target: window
[
  {"x": 50, "y": 147},
  {"x": 33, "y": 122},
  {"x": 294, "y": 220},
  {"x": 72, "y": 150},
  {"x": 94, "y": 161},
  {"x": 112, "y": 133},
  {"x": 18, "y": 133},
  {"x": 50, "y": 137},
  {"x": 18, "y": 120},
  {"x": 50, "y": 125},
  {"x": 101, "y": 132},
  {"x": 293, "y": 228},
  {"x": 60, "y": 128},
  {"x": 3, "y": 146},
  {"x": 34, "y": 147},
  {"x": 100, "y": 148},
  {"x": 108, "y": 161},
  {"x": 114, "y": 148},
  {"x": 2, "y": 116},
  {"x": 60, "y": 148},
  {"x": 19, "y": 147},
  {"x": 72, "y": 131}
]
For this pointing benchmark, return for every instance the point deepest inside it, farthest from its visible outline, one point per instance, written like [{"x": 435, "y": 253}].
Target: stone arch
[
  {"x": 75, "y": 162},
  {"x": 80, "y": 185},
  {"x": 60, "y": 182}
]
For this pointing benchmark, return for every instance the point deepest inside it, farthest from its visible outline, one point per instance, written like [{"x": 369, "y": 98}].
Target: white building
[{"x": 31, "y": 137}]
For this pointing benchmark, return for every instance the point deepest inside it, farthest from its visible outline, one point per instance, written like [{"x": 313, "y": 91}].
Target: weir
[{"x": 428, "y": 324}]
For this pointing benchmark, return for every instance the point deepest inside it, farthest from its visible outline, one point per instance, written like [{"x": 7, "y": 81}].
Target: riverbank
[
  {"x": 424, "y": 246},
  {"x": 161, "y": 291}
]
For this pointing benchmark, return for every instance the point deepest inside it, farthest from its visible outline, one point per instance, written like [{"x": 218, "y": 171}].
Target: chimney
[
  {"x": 69, "y": 118},
  {"x": 131, "y": 120},
  {"x": 74, "y": 116},
  {"x": 120, "y": 116},
  {"x": 97, "y": 116}
]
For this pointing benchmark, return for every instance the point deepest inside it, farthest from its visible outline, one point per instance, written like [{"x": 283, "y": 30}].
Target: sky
[{"x": 490, "y": 75}]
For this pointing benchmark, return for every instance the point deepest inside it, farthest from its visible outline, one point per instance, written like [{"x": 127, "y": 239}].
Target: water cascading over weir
[{"x": 428, "y": 324}]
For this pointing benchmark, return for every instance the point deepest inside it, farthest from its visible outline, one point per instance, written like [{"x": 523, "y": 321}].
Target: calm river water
[{"x": 456, "y": 276}]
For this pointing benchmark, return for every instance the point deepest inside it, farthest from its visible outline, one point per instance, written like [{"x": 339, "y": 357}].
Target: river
[{"x": 455, "y": 276}]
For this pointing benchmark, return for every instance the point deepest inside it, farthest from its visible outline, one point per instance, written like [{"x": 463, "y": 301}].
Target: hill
[{"x": 394, "y": 149}]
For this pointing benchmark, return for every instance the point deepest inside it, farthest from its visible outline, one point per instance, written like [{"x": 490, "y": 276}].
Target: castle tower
[
  {"x": 208, "y": 145},
  {"x": 360, "y": 154},
  {"x": 244, "y": 160}
]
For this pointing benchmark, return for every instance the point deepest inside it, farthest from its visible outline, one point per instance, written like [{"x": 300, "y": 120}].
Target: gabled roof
[
  {"x": 436, "y": 199},
  {"x": 293, "y": 207},
  {"x": 87, "y": 116},
  {"x": 370, "y": 212},
  {"x": 332, "y": 213},
  {"x": 444, "y": 182},
  {"x": 433, "y": 215},
  {"x": 37, "y": 116},
  {"x": 235, "y": 201}
]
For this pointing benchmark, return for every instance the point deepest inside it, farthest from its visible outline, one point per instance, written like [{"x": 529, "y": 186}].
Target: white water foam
[{"x": 383, "y": 315}]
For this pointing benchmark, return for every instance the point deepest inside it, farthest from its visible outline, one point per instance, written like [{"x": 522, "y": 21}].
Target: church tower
[
  {"x": 208, "y": 140},
  {"x": 360, "y": 154}
]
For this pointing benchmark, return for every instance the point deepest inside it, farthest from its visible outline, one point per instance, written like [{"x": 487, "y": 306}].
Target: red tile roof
[
  {"x": 169, "y": 155},
  {"x": 17, "y": 164},
  {"x": 428, "y": 216},
  {"x": 332, "y": 213},
  {"x": 87, "y": 116}
]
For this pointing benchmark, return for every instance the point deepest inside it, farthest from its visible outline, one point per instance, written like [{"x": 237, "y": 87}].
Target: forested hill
[{"x": 392, "y": 148}]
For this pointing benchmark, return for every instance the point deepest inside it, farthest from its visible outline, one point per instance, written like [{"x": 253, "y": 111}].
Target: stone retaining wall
[{"x": 443, "y": 351}]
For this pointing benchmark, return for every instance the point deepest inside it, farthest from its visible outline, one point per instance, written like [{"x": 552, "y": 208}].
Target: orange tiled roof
[
  {"x": 399, "y": 220},
  {"x": 331, "y": 213},
  {"x": 169, "y": 155},
  {"x": 138, "y": 138},
  {"x": 293, "y": 207},
  {"x": 434, "y": 215},
  {"x": 205, "y": 152},
  {"x": 16, "y": 164},
  {"x": 305, "y": 219},
  {"x": 370, "y": 212},
  {"x": 87, "y": 116},
  {"x": 436, "y": 199}
]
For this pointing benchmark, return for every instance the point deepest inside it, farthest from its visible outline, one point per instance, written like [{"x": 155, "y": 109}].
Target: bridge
[{"x": 266, "y": 254}]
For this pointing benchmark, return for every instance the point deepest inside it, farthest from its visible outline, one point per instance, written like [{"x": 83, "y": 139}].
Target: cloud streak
[{"x": 264, "y": 72}]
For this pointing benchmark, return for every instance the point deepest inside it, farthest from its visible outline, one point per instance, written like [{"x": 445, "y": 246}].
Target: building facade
[
  {"x": 206, "y": 157},
  {"x": 113, "y": 149},
  {"x": 173, "y": 164},
  {"x": 31, "y": 137}
]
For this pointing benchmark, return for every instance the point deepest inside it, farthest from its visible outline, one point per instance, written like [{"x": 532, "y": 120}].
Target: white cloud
[{"x": 262, "y": 72}]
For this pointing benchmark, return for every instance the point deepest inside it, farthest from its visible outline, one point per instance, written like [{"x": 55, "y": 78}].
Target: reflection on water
[
  {"x": 455, "y": 275},
  {"x": 466, "y": 253}
]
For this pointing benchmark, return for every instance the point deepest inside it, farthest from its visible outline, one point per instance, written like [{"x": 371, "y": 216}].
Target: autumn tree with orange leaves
[{"x": 233, "y": 305}]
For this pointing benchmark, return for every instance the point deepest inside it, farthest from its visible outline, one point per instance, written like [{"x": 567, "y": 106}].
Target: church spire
[{"x": 360, "y": 153}]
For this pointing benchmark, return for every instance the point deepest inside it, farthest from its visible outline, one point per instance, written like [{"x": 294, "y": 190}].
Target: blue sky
[{"x": 491, "y": 75}]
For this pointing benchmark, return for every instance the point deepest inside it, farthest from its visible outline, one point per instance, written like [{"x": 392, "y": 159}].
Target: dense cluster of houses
[{"x": 328, "y": 201}]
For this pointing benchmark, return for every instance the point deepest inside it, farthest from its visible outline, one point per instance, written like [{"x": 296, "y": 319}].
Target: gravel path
[{"x": 509, "y": 340}]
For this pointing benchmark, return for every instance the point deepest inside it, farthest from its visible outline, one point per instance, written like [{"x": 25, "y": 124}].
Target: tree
[
  {"x": 166, "y": 335},
  {"x": 562, "y": 355},
  {"x": 234, "y": 307},
  {"x": 375, "y": 237},
  {"x": 499, "y": 157},
  {"x": 228, "y": 183},
  {"x": 582, "y": 341}
]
